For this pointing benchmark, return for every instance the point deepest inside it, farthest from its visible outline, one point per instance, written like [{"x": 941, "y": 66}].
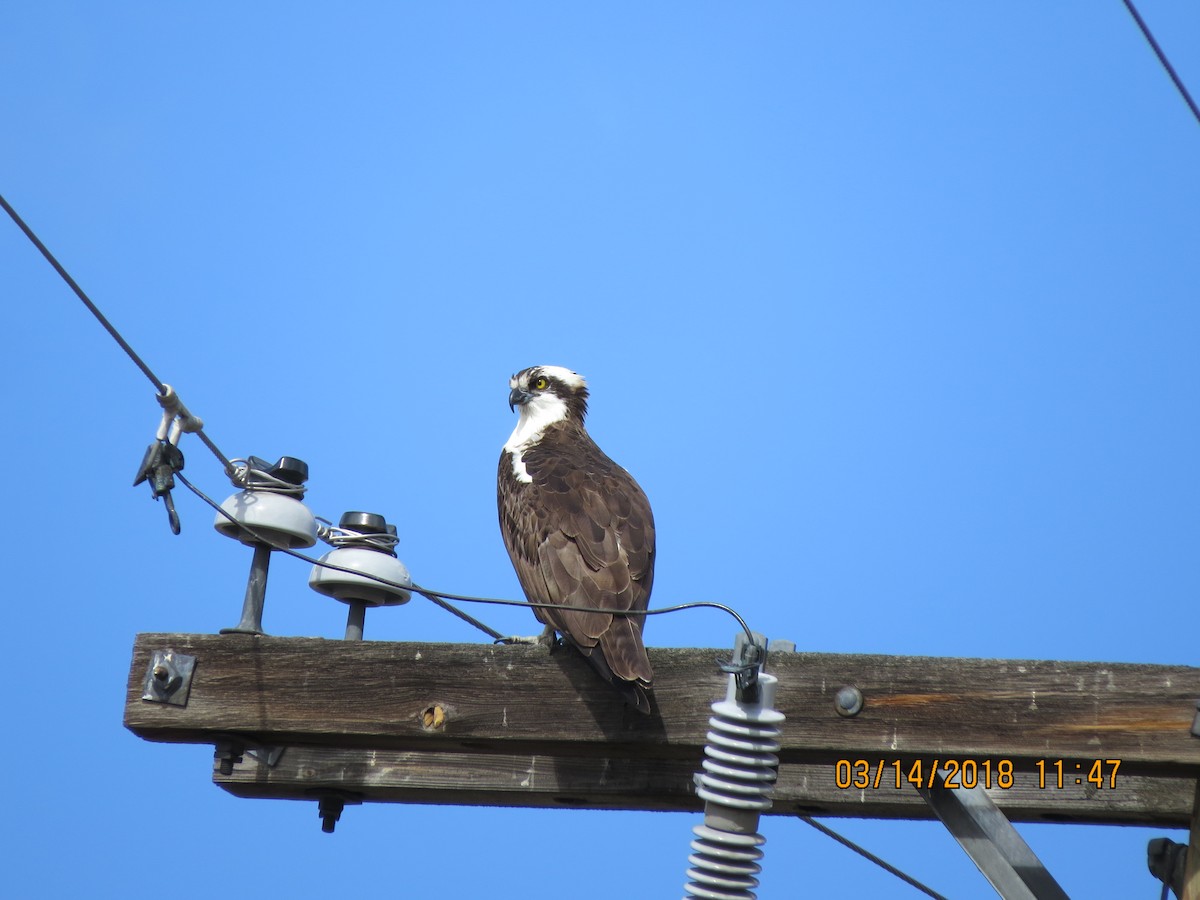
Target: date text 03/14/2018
[{"x": 1047, "y": 774}]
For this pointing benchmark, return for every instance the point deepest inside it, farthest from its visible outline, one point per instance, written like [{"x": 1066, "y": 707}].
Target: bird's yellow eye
[{"x": 541, "y": 384}]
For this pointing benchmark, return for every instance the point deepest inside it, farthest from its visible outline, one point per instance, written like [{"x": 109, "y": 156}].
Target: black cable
[
  {"x": 116, "y": 335},
  {"x": 440, "y": 597},
  {"x": 108, "y": 326},
  {"x": 429, "y": 595},
  {"x": 1162, "y": 58},
  {"x": 697, "y": 604},
  {"x": 454, "y": 610},
  {"x": 437, "y": 597},
  {"x": 867, "y": 854}
]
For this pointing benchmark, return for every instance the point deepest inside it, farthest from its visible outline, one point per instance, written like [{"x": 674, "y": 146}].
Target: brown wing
[{"x": 582, "y": 534}]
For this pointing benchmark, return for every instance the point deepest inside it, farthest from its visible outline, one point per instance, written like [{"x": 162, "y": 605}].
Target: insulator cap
[
  {"x": 365, "y": 523},
  {"x": 291, "y": 470}
]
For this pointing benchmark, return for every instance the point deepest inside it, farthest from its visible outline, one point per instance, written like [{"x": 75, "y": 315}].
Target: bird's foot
[{"x": 547, "y": 639}]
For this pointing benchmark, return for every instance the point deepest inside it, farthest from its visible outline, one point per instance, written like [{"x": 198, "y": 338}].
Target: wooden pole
[
  {"x": 1191, "y": 872},
  {"x": 478, "y": 723}
]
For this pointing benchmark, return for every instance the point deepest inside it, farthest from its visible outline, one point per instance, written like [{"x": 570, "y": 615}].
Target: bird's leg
[{"x": 548, "y": 638}]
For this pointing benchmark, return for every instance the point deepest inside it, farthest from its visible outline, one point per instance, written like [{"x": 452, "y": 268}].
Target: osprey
[{"x": 578, "y": 529}]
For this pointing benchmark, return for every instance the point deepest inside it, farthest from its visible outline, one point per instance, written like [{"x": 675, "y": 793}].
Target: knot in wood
[{"x": 433, "y": 718}]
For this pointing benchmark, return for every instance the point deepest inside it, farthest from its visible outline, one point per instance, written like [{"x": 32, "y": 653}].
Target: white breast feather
[{"x": 536, "y": 416}]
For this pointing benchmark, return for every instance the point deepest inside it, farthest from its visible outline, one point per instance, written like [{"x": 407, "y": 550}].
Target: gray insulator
[{"x": 740, "y": 768}]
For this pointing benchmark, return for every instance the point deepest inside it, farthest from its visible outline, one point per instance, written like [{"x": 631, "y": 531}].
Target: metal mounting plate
[{"x": 168, "y": 677}]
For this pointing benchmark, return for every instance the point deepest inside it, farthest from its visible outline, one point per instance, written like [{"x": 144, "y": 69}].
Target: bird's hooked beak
[{"x": 518, "y": 397}]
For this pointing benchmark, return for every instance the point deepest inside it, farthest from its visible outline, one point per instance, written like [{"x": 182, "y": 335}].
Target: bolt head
[{"x": 849, "y": 701}]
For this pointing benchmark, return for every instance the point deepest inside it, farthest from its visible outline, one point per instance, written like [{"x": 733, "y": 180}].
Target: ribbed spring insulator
[
  {"x": 724, "y": 864},
  {"x": 740, "y": 767}
]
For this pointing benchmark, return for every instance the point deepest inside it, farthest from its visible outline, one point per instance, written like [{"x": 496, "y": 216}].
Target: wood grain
[
  {"x": 472, "y": 717},
  {"x": 487, "y": 779}
]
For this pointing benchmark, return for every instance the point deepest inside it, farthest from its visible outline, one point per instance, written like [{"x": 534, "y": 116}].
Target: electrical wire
[
  {"x": 247, "y": 476},
  {"x": 71, "y": 283},
  {"x": 231, "y": 469},
  {"x": 697, "y": 604},
  {"x": 441, "y": 597},
  {"x": 162, "y": 388},
  {"x": 1162, "y": 58},
  {"x": 867, "y": 854},
  {"x": 241, "y": 474},
  {"x": 429, "y": 595}
]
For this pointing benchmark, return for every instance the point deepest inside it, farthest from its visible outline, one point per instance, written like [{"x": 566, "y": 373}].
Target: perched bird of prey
[{"x": 578, "y": 529}]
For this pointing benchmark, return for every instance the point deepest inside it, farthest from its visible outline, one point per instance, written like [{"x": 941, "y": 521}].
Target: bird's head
[{"x": 548, "y": 394}]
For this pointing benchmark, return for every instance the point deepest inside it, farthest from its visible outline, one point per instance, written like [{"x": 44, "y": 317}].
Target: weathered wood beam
[
  {"x": 567, "y": 782},
  {"x": 477, "y": 723},
  {"x": 374, "y": 694}
]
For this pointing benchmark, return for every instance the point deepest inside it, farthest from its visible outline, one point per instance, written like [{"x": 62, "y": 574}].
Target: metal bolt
[
  {"x": 226, "y": 753},
  {"x": 356, "y": 620},
  {"x": 256, "y": 594},
  {"x": 330, "y": 810},
  {"x": 168, "y": 677},
  {"x": 849, "y": 701},
  {"x": 330, "y": 803}
]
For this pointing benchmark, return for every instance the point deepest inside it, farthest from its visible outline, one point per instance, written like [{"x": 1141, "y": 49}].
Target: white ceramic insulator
[
  {"x": 724, "y": 864},
  {"x": 350, "y": 587},
  {"x": 740, "y": 768},
  {"x": 280, "y": 520}
]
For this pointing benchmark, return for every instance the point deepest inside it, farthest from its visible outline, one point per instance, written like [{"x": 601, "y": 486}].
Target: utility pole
[{"x": 374, "y": 721}]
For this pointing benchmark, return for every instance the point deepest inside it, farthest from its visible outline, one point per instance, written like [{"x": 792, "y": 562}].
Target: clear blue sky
[{"x": 891, "y": 308}]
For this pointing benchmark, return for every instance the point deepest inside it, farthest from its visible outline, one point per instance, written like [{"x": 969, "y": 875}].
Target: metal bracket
[
  {"x": 749, "y": 653},
  {"x": 780, "y": 645},
  {"x": 159, "y": 465},
  {"x": 987, "y": 836},
  {"x": 268, "y": 755},
  {"x": 230, "y": 748},
  {"x": 168, "y": 678}
]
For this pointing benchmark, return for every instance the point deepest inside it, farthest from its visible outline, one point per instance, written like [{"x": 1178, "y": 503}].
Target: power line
[
  {"x": 167, "y": 393},
  {"x": 429, "y": 595},
  {"x": 1162, "y": 58},
  {"x": 867, "y": 854},
  {"x": 441, "y": 597},
  {"x": 163, "y": 389},
  {"x": 171, "y": 401},
  {"x": 658, "y": 611},
  {"x": 66, "y": 276}
]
